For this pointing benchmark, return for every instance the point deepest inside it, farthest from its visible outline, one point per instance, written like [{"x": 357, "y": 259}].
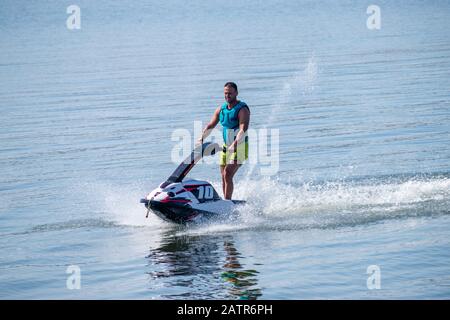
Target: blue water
[{"x": 87, "y": 118}]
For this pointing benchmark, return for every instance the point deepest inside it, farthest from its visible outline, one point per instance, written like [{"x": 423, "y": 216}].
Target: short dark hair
[{"x": 231, "y": 84}]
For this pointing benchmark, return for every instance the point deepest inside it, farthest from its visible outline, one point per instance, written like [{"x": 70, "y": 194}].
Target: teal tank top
[{"x": 229, "y": 120}]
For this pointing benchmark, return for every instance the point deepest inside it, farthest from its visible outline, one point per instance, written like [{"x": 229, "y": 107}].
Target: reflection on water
[
  {"x": 243, "y": 281},
  {"x": 200, "y": 267}
]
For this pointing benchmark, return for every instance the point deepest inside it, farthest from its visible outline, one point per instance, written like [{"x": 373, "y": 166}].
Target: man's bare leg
[
  {"x": 222, "y": 174},
  {"x": 229, "y": 172}
]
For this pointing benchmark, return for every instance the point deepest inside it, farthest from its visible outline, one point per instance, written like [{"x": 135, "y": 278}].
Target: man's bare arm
[
  {"x": 211, "y": 125},
  {"x": 244, "y": 120}
]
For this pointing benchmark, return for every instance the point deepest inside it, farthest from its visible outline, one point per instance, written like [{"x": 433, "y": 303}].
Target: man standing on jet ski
[{"x": 234, "y": 116}]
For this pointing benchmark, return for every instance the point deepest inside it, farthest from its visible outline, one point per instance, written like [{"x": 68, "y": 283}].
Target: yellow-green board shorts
[{"x": 241, "y": 154}]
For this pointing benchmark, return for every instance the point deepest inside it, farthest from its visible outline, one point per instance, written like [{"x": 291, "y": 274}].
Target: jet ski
[{"x": 191, "y": 200}]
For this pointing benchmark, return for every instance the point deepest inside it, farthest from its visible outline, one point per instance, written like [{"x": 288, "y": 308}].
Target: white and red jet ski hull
[{"x": 181, "y": 201}]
